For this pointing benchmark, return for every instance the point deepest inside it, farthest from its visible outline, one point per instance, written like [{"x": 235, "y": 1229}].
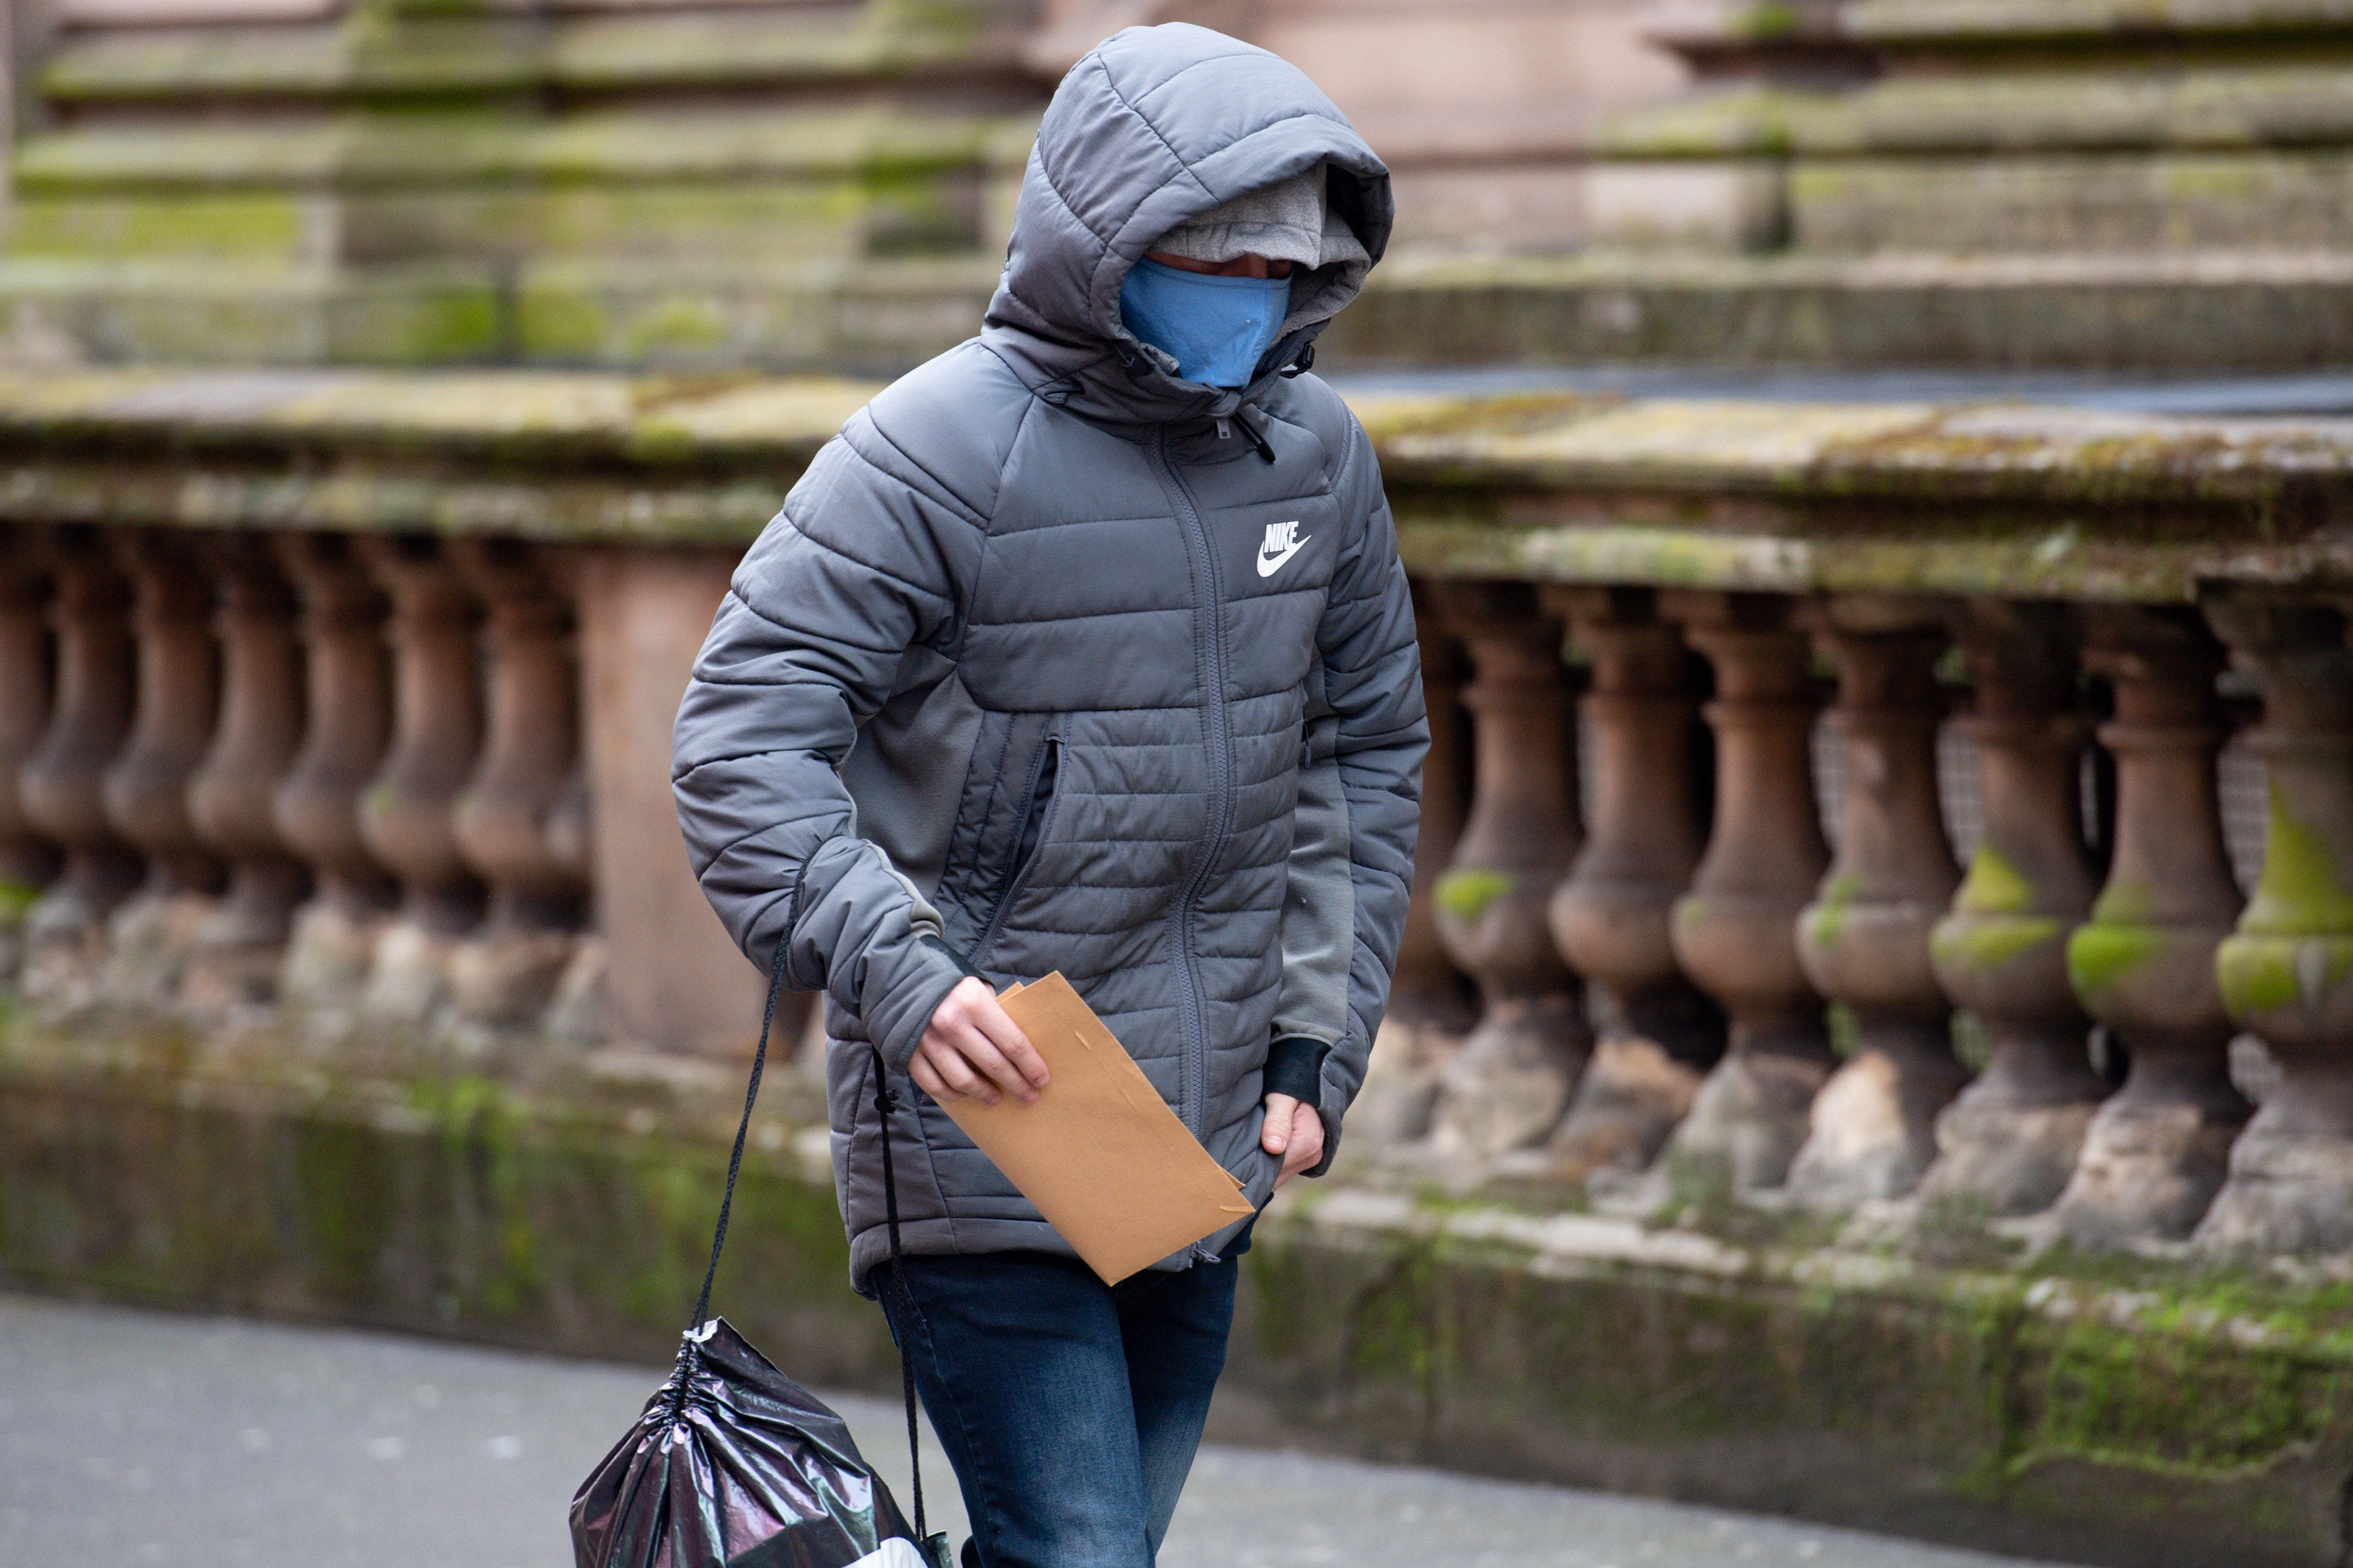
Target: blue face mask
[{"x": 1217, "y": 328}]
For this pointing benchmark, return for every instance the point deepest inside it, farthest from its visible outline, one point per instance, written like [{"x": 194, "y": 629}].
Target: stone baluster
[
  {"x": 409, "y": 814},
  {"x": 577, "y": 1014},
  {"x": 505, "y": 820},
  {"x": 1509, "y": 1084},
  {"x": 241, "y": 945},
  {"x": 146, "y": 789},
  {"x": 2144, "y": 963},
  {"x": 28, "y": 858},
  {"x": 1430, "y": 1006},
  {"x": 316, "y": 808},
  {"x": 1735, "y": 930},
  {"x": 2009, "y": 1143},
  {"x": 62, "y": 784},
  {"x": 1864, "y": 938},
  {"x": 2286, "y": 972},
  {"x": 1612, "y": 918}
]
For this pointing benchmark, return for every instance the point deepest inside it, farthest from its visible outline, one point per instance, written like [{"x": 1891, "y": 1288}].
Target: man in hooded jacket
[{"x": 1086, "y": 648}]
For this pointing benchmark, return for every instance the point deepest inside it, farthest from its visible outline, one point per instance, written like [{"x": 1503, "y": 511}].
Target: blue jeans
[{"x": 1071, "y": 1409}]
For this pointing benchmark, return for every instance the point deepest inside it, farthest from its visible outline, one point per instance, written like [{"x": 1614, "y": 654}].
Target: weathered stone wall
[
  {"x": 2102, "y": 1412},
  {"x": 1901, "y": 855},
  {"x": 1878, "y": 181},
  {"x": 426, "y": 185}
]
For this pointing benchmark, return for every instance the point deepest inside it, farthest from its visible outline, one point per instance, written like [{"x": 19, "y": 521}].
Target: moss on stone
[
  {"x": 1994, "y": 886},
  {"x": 1737, "y": 121},
  {"x": 15, "y": 898},
  {"x": 555, "y": 322},
  {"x": 1466, "y": 894},
  {"x": 1818, "y": 927},
  {"x": 2102, "y": 955},
  {"x": 2198, "y": 1417},
  {"x": 1982, "y": 943},
  {"x": 263, "y": 227},
  {"x": 2267, "y": 979},
  {"x": 2124, "y": 901},
  {"x": 2303, "y": 890}
]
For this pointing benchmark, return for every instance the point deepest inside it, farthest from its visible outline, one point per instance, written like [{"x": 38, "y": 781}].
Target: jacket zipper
[
  {"x": 1210, "y": 638},
  {"x": 1017, "y": 873}
]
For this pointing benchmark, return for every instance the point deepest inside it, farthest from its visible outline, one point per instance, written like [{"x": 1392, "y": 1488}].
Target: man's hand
[
  {"x": 1294, "y": 1131},
  {"x": 973, "y": 1049}
]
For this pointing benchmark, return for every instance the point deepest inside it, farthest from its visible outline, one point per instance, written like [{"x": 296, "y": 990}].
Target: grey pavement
[{"x": 131, "y": 1438}]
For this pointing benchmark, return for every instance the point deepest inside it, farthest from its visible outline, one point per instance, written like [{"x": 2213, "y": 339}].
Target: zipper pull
[{"x": 1225, "y": 428}]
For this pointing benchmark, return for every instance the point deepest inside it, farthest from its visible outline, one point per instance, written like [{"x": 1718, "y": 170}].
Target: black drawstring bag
[{"x": 733, "y": 1464}]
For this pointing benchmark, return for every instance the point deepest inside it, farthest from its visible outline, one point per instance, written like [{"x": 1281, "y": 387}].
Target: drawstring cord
[
  {"x": 689, "y": 1352},
  {"x": 1256, "y": 436},
  {"x": 885, "y": 1102}
]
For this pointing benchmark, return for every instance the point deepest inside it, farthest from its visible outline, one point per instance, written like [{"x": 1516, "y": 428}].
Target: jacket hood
[{"x": 1155, "y": 126}]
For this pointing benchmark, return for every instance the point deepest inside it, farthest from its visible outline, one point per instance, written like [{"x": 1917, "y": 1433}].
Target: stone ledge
[
  {"x": 2179, "y": 312},
  {"x": 2182, "y": 312},
  {"x": 1790, "y": 496},
  {"x": 2127, "y": 1413},
  {"x": 678, "y": 313},
  {"x": 435, "y": 56},
  {"x": 2238, "y": 107},
  {"x": 444, "y": 152},
  {"x": 1544, "y": 441},
  {"x": 1993, "y": 22}
]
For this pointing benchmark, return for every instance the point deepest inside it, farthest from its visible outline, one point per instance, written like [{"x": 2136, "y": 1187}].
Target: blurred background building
[{"x": 644, "y": 182}]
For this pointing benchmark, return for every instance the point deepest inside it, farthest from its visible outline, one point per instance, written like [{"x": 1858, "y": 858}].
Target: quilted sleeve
[
  {"x": 1360, "y": 810},
  {"x": 863, "y": 563}
]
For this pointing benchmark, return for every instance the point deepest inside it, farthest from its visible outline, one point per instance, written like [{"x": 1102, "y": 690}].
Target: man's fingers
[
  {"x": 949, "y": 1063},
  {"x": 990, "y": 1016},
  {"x": 926, "y": 1079},
  {"x": 1306, "y": 1138},
  {"x": 1275, "y": 1138},
  {"x": 983, "y": 1054}
]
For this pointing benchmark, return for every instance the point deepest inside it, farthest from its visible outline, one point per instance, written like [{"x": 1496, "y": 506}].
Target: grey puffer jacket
[{"x": 1053, "y": 661}]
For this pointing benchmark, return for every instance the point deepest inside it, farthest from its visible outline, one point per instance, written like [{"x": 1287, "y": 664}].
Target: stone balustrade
[{"x": 350, "y": 717}]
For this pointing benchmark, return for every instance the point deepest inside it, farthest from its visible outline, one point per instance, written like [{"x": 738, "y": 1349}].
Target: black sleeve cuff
[{"x": 1294, "y": 1066}]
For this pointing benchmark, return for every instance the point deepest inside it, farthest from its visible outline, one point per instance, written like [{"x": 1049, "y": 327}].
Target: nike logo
[{"x": 1279, "y": 546}]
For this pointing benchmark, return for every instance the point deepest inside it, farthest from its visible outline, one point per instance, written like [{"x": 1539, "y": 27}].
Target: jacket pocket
[{"x": 1037, "y": 805}]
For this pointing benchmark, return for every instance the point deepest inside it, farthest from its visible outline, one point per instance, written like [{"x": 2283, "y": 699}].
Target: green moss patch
[
  {"x": 2303, "y": 890},
  {"x": 2101, "y": 956},
  {"x": 1825, "y": 918},
  {"x": 1466, "y": 894},
  {"x": 1979, "y": 944},
  {"x": 1994, "y": 886}
]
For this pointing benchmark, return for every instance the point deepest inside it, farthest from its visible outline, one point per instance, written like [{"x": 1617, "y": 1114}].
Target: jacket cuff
[
  {"x": 1332, "y": 1107},
  {"x": 1330, "y": 1144},
  {"x": 897, "y": 1026},
  {"x": 1294, "y": 1066}
]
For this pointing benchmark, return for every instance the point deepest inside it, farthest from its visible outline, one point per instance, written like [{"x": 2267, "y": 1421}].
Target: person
[{"x": 1086, "y": 648}]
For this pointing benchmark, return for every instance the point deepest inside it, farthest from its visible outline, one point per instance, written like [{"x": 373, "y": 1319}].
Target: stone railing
[
  {"x": 2087, "y": 641},
  {"x": 361, "y": 713},
  {"x": 341, "y": 703}
]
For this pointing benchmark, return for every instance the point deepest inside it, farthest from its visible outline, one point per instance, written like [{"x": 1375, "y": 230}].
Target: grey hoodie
[{"x": 1053, "y": 661}]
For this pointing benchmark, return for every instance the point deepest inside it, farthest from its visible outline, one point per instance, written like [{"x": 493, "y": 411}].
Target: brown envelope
[{"x": 1099, "y": 1152}]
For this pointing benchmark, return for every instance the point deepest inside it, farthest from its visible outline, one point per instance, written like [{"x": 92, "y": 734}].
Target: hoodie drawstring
[
  {"x": 1226, "y": 423},
  {"x": 1256, "y": 436}
]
